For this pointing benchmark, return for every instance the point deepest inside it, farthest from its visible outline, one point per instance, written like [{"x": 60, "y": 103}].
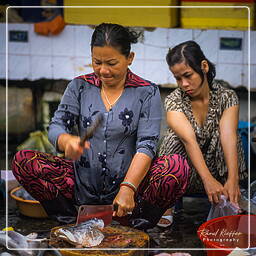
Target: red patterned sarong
[{"x": 44, "y": 176}]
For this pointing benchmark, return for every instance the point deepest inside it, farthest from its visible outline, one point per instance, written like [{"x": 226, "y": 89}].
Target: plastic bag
[
  {"x": 38, "y": 140},
  {"x": 23, "y": 245},
  {"x": 223, "y": 208}
]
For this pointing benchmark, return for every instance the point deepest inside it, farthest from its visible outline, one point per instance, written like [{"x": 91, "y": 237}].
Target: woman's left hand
[
  {"x": 232, "y": 191},
  {"x": 125, "y": 201}
]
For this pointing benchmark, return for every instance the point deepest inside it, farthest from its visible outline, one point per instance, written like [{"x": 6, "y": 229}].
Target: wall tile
[
  {"x": 64, "y": 43},
  {"x": 139, "y": 50},
  {"x": 232, "y": 73},
  {"x": 83, "y": 36},
  {"x": 40, "y": 45},
  {"x": 2, "y": 38},
  {"x": 245, "y": 75},
  {"x": 63, "y": 67},
  {"x": 245, "y": 49},
  {"x": 19, "y": 67},
  {"x": 252, "y": 47},
  {"x": 245, "y": 81},
  {"x": 177, "y": 36},
  {"x": 156, "y": 71},
  {"x": 19, "y": 47},
  {"x": 155, "y": 53},
  {"x": 137, "y": 67},
  {"x": 2, "y": 66},
  {"x": 209, "y": 43},
  {"x": 158, "y": 37},
  {"x": 82, "y": 66},
  {"x": 156, "y": 44},
  {"x": 253, "y": 76},
  {"x": 149, "y": 56},
  {"x": 171, "y": 79},
  {"x": 41, "y": 67},
  {"x": 231, "y": 56}
]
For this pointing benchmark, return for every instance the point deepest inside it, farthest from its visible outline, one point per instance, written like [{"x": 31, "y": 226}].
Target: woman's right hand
[
  {"x": 70, "y": 145},
  {"x": 214, "y": 189},
  {"x": 125, "y": 201}
]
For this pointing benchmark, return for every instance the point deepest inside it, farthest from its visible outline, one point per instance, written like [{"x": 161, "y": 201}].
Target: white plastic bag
[{"x": 223, "y": 208}]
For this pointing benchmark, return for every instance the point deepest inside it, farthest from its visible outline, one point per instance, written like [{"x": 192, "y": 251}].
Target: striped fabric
[
  {"x": 132, "y": 80},
  {"x": 44, "y": 176}
]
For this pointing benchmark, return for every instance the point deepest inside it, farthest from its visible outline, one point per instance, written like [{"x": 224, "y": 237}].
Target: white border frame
[{"x": 249, "y": 115}]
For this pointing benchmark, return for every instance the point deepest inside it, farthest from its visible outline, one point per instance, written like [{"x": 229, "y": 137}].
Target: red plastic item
[{"x": 227, "y": 233}]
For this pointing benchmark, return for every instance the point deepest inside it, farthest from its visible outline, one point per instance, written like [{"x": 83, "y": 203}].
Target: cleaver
[{"x": 104, "y": 212}]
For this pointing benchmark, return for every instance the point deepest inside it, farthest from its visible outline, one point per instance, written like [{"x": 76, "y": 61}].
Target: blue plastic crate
[{"x": 243, "y": 129}]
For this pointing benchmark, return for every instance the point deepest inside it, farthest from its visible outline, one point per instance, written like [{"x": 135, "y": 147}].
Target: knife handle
[
  {"x": 115, "y": 207},
  {"x": 91, "y": 129}
]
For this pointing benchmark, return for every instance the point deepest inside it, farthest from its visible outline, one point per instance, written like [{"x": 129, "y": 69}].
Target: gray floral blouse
[
  {"x": 132, "y": 125},
  {"x": 208, "y": 136}
]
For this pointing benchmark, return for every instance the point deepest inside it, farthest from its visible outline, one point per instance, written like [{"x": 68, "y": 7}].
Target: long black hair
[
  {"x": 115, "y": 35},
  {"x": 191, "y": 54}
]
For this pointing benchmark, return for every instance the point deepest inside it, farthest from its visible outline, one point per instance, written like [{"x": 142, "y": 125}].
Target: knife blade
[
  {"x": 104, "y": 212},
  {"x": 91, "y": 129}
]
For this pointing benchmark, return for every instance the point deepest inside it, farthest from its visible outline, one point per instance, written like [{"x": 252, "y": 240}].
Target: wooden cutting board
[{"x": 116, "y": 236}]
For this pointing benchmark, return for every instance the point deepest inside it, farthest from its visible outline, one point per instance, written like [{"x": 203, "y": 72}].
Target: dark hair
[
  {"x": 190, "y": 53},
  {"x": 117, "y": 36}
]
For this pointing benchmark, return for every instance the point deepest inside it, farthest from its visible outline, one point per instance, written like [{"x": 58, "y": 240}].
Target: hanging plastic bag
[{"x": 223, "y": 208}]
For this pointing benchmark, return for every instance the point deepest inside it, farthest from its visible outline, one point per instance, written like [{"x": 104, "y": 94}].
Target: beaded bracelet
[{"x": 130, "y": 185}]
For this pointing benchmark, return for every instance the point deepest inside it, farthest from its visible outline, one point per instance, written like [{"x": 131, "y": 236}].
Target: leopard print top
[{"x": 208, "y": 136}]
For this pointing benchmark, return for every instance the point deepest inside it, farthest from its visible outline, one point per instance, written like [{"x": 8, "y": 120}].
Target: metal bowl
[{"x": 30, "y": 208}]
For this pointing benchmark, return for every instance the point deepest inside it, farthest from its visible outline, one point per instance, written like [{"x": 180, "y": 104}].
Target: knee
[
  {"x": 19, "y": 159},
  {"x": 178, "y": 168},
  {"x": 182, "y": 164},
  {"x": 21, "y": 155}
]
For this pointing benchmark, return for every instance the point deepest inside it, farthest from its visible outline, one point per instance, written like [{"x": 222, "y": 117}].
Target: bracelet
[{"x": 130, "y": 185}]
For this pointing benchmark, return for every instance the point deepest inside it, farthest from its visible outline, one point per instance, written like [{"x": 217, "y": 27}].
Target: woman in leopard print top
[{"x": 202, "y": 117}]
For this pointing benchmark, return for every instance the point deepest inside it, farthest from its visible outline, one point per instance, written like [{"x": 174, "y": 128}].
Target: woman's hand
[
  {"x": 232, "y": 191},
  {"x": 125, "y": 201},
  {"x": 179, "y": 123},
  {"x": 137, "y": 171},
  {"x": 214, "y": 189},
  {"x": 70, "y": 144}
]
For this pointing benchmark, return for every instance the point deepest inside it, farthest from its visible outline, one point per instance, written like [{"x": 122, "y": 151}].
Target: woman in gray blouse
[{"x": 115, "y": 165}]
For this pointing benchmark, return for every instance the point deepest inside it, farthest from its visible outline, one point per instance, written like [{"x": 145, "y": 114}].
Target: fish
[{"x": 85, "y": 234}]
